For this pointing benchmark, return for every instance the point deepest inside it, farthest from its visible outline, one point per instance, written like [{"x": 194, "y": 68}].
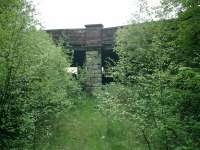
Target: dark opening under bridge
[{"x": 93, "y": 47}]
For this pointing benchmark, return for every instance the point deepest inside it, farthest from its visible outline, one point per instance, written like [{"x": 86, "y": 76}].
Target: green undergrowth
[{"x": 85, "y": 128}]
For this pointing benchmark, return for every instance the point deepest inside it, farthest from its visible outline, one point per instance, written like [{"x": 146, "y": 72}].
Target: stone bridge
[{"x": 92, "y": 47}]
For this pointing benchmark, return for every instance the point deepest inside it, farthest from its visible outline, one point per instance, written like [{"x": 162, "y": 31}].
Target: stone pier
[{"x": 93, "y": 56}]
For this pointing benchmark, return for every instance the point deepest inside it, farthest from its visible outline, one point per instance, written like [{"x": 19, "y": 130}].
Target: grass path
[{"x": 85, "y": 128}]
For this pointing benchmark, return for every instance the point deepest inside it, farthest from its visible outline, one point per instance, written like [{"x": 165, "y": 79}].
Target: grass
[{"x": 85, "y": 128}]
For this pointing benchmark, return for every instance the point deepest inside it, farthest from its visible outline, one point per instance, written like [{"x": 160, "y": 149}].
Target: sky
[{"x": 62, "y": 14}]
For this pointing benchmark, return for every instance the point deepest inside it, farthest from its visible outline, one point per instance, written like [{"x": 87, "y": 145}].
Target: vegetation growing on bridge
[{"x": 154, "y": 103}]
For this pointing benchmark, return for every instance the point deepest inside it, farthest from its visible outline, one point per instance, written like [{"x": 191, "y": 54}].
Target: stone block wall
[{"x": 93, "y": 69}]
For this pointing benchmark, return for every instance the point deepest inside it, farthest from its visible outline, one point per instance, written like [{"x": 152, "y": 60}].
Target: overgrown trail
[{"x": 85, "y": 128}]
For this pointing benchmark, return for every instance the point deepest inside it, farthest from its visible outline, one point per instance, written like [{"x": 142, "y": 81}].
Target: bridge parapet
[{"x": 79, "y": 36}]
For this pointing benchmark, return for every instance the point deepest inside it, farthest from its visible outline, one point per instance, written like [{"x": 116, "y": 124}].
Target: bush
[{"x": 34, "y": 86}]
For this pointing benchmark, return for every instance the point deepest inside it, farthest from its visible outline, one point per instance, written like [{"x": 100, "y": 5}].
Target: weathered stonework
[
  {"x": 93, "y": 56},
  {"x": 92, "y": 46}
]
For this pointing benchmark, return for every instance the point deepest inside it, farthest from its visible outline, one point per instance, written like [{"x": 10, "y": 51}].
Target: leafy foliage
[
  {"x": 154, "y": 103},
  {"x": 34, "y": 85},
  {"x": 157, "y": 78}
]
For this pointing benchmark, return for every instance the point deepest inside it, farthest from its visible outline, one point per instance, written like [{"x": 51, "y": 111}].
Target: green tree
[
  {"x": 34, "y": 85},
  {"x": 158, "y": 81}
]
